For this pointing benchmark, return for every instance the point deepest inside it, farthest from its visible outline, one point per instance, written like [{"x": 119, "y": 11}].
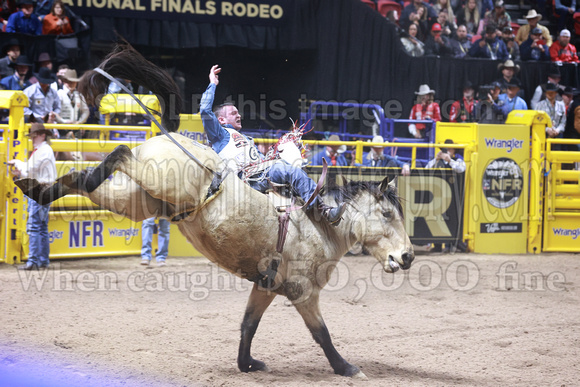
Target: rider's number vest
[{"x": 240, "y": 151}]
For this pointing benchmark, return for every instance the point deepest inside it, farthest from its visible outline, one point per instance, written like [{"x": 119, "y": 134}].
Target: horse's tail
[{"x": 125, "y": 62}]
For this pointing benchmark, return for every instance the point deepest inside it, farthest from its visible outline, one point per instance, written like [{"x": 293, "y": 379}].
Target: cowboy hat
[
  {"x": 550, "y": 87},
  {"x": 43, "y": 57},
  {"x": 532, "y": 14},
  {"x": 11, "y": 42},
  {"x": 378, "y": 139},
  {"x": 554, "y": 72},
  {"x": 22, "y": 60},
  {"x": 38, "y": 128},
  {"x": 507, "y": 64},
  {"x": 424, "y": 90},
  {"x": 342, "y": 148},
  {"x": 45, "y": 76},
  {"x": 514, "y": 82},
  {"x": 70, "y": 75}
]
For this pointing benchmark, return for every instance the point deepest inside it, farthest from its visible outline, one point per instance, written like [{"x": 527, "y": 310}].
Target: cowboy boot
[{"x": 332, "y": 214}]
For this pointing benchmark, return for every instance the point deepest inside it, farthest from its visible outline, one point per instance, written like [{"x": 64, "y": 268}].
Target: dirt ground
[{"x": 465, "y": 320}]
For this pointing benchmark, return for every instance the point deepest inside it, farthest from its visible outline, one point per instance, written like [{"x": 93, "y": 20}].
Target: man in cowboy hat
[
  {"x": 377, "y": 158},
  {"x": 567, "y": 96},
  {"x": 562, "y": 51},
  {"x": 498, "y": 17},
  {"x": 40, "y": 166},
  {"x": 553, "y": 78},
  {"x": 334, "y": 154},
  {"x": 555, "y": 109},
  {"x": 508, "y": 70},
  {"x": 73, "y": 108},
  {"x": 17, "y": 81},
  {"x": 533, "y": 18},
  {"x": 425, "y": 109},
  {"x": 24, "y": 21},
  {"x": 462, "y": 110},
  {"x": 534, "y": 49},
  {"x": 43, "y": 101},
  {"x": 510, "y": 100},
  {"x": 12, "y": 51}
]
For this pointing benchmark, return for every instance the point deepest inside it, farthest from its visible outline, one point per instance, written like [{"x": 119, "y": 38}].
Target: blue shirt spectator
[
  {"x": 17, "y": 80},
  {"x": 534, "y": 48},
  {"x": 510, "y": 100},
  {"x": 24, "y": 21},
  {"x": 490, "y": 46},
  {"x": 42, "y": 99},
  {"x": 333, "y": 154}
]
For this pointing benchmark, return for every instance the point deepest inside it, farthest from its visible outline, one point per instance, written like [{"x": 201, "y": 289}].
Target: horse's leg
[
  {"x": 257, "y": 303},
  {"x": 310, "y": 312}
]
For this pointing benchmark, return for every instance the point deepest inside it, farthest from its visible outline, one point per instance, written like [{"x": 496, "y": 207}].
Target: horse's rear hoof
[
  {"x": 360, "y": 376},
  {"x": 254, "y": 365}
]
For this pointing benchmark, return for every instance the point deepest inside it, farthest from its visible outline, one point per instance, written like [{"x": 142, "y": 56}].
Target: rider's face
[{"x": 230, "y": 115}]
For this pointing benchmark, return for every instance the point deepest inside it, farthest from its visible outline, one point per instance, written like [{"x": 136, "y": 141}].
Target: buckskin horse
[{"x": 233, "y": 225}]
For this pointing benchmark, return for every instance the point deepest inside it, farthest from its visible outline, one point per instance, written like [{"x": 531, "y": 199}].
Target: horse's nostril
[{"x": 408, "y": 258}]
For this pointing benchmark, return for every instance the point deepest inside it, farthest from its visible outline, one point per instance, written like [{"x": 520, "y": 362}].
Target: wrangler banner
[{"x": 258, "y": 12}]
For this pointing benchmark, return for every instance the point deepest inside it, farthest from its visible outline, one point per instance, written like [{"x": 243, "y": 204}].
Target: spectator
[
  {"x": 572, "y": 130},
  {"x": 44, "y": 61},
  {"x": 73, "y": 108},
  {"x": 461, "y": 43},
  {"x": 8, "y": 8},
  {"x": 533, "y": 18},
  {"x": 562, "y": 51},
  {"x": 534, "y": 48},
  {"x": 470, "y": 17},
  {"x": 437, "y": 44},
  {"x": 56, "y": 22},
  {"x": 508, "y": 70},
  {"x": 413, "y": 46},
  {"x": 490, "y": 46},
  {"x": 43, "y": 100},
  {"x": 488, "y": 108},
  {"x": 555, "y": 109},
  {"x": 447, "y": 26},
  {"x": 565, "y": 10},
  {"x": 17, "y": 81},
  {"x": 418, "y": 12},
  {"x": 485, "y": 6},
  {"x": 498, "y": 17},
  {"x": 509, "y": 40},
  {"x": 334, "y": 154},
  {"x": 147, "y": 231},
  {"x": 539, "y": 94},
  {"x": 462, "y": 110},
  {"x": 24, "y": 21},
  {"x": 567, "y": 96},
  {"x": 445, "y": 4},
  {"x": 450, "y": 159},
  {"x": 12, "y": 51},
  {"x": 510, "y": 99},
  {"x": 61, "y": 71},
  {"x": 425, "y": 109},
  {"x": 40, "y": 166},
  {"x": 377, "y": 158}
]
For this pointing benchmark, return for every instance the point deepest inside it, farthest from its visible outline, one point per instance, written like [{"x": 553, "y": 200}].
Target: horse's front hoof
[
  {"x": 360, "y": 376},
  {"x": 254, "y": 365},
  {"x": 351, "y": 371}
]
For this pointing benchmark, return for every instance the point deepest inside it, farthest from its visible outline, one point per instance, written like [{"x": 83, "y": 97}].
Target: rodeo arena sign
[{"x": 260, "y": 12}]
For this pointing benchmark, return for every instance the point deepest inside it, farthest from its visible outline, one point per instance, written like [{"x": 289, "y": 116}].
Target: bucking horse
[{"x": 230, "y": 223}]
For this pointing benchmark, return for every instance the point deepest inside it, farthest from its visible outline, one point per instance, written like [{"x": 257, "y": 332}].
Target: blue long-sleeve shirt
[
  {"x": 495, "y": 50},
  {"x": 12, "y": 82},
  {"x": 385, "y": 161},
  {"x": 216, "y": 134},
  {"x": 558, "y": 5},
  {"x": 511, "y": 104},
  {"x": 25, "y": 25}
]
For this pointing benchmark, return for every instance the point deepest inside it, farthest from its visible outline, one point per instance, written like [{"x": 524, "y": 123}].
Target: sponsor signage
[
  {"x": 257, "y": 12},
  {"x": 494, "y": 228}
]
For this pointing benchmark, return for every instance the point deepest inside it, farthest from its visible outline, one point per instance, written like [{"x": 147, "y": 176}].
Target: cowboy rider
[{"x": 222, "y": 128}]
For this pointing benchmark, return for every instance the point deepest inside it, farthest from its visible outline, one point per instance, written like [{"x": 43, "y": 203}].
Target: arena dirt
[{"x": 465, "y": 320}]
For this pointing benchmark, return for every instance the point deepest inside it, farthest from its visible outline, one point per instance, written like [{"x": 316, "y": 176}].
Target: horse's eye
[{"x": 388, "y": 214}]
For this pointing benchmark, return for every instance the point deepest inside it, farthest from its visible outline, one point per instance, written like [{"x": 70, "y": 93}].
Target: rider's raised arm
[{"x": 214, "y": 131}]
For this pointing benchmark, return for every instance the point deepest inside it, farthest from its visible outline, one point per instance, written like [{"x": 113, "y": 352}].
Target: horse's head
[{"x": 379, "y": 225}]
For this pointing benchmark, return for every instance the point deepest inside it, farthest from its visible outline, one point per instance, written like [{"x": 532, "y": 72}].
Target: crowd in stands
[{"x": 51, "y": 92}]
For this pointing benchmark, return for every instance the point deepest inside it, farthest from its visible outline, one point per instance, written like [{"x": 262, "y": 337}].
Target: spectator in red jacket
[
  {"x": 425, "y": 109},
  {"x": 562, "y": 51},
  {"x": 462, "y": 110}
]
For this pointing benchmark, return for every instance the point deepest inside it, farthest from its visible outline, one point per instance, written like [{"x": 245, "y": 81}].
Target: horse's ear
[
  {"x": 343, "y": 180},
  {"x": 393, "y": 183},
  {"x": 384, "y": 185}
]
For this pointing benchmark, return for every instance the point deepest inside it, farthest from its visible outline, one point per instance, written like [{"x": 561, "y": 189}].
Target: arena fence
[{"x": 516, "y": 195}]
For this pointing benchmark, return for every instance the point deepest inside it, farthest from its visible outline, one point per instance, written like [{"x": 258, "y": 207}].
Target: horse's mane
[
  {"x": 125, "y": 62},
  {"x": 348, "y": 192}
]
